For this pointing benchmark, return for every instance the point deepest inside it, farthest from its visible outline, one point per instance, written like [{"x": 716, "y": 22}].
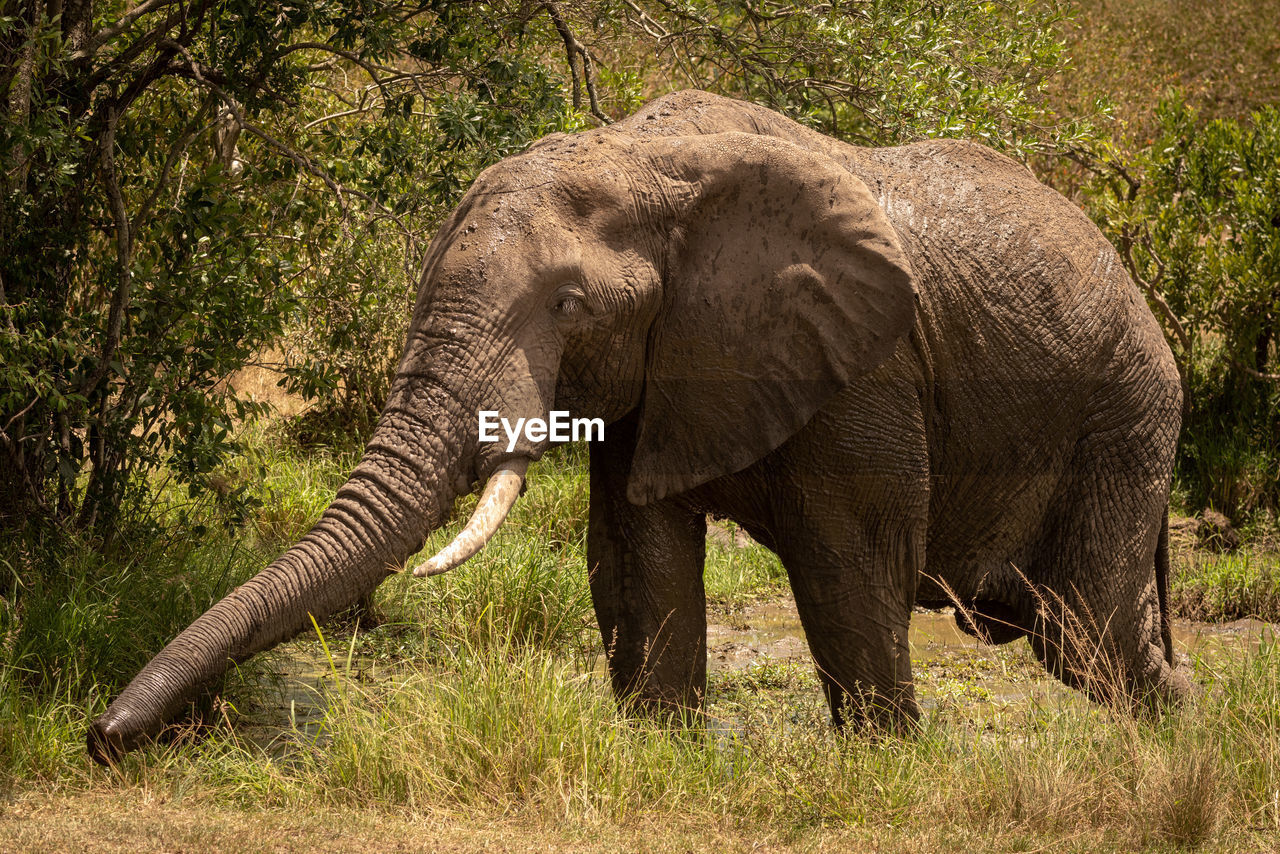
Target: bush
[
  {"x": 1196, "y": 216},
  {"x": 185, "y": 185}
]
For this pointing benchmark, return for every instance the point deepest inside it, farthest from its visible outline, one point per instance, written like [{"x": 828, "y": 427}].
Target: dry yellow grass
[
  {"x": 137, "y": 820},
  {"x": 1225, "y": 54}
]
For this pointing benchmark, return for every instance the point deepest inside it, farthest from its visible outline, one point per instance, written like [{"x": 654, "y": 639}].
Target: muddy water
[
  {"x": 773, "y": 629},
  {"x": 947, "y": 663},
  {"x": 1212, "y": 643},
  {"x": 949, "y": 666},
  {"x": 294, "y": 700}
]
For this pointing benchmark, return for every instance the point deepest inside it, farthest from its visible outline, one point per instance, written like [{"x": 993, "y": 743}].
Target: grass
[
  {"x": 1224, "y": 54},
  {"x": 479, "y": 701},
  {"x": 1221, "y": 588},
  {"x": 513, "y": 732},
  {"x": 736, "y": 573}
]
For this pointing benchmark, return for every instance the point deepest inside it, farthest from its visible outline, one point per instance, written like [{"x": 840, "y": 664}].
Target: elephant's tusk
[{"x": 500, "y": 493}]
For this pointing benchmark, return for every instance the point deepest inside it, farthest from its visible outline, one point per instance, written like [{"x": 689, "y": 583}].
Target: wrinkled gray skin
[{"x": 898, "y": 368}]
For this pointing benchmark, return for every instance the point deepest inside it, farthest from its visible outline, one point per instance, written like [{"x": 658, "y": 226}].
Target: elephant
[{"x": 915, "y": 373}]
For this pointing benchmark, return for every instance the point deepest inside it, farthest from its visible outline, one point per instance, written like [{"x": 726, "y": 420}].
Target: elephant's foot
[
  {"x": 864, "y": 709},
  {"x": 1138, "y": 680},
  {"x": 683, "y": 712}
]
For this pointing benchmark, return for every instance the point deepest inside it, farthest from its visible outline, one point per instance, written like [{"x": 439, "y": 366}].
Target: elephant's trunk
[{"x": 398, "y": 494}]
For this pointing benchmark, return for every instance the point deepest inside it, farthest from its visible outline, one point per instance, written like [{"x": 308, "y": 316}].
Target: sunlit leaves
[
  {"x": 1201, "y": 223},
  {"x": 366, "y": 120},
  {"x": 881, "y": 71}
]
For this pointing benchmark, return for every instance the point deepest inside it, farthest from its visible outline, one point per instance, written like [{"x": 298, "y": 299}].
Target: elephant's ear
[{"x": 784, "y": 281}]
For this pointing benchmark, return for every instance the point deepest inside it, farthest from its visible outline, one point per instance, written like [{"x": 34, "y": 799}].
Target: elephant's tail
[{"x": 1162, "y": 587}]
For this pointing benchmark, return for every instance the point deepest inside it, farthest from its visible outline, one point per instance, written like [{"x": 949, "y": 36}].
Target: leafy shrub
[
  {"x": 1196, "y": 216},
  {"x": 182, "y": 187}
]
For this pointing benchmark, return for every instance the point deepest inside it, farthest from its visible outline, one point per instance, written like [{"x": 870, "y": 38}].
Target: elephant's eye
[{"x": 569, "y": 306}]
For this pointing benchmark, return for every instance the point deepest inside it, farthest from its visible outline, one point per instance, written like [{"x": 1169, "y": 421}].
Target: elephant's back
[
  {"x": 1021, "y": 305},
  {"x": 988, "y": 241},
  {"x": 1020, "y": 297}
]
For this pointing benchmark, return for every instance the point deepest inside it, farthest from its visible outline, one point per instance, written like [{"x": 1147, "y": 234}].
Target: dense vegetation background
[{"x": 190, "y": 188}]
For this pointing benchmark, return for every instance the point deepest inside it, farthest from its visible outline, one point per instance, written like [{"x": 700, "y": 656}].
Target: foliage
[
  {"x": 875, "y": 73},
  {"x": 1221, "y": 588},
  {"x": 184, "y": 182},
  {"x": 187, "y": 183},
  {"x": 415, "y": 145},
  {"x": 739, "y": 569},
  {"x": 1196, "y": 218}
]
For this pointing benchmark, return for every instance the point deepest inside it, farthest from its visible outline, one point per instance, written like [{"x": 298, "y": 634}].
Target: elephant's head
[{"x": 724, "y": 285}]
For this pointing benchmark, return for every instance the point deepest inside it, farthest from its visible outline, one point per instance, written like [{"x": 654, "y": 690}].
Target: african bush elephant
[{"x": 914, "y": 373}]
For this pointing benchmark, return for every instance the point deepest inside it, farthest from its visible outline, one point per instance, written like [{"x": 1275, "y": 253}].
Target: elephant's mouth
[{"x": 500, "y": 494}]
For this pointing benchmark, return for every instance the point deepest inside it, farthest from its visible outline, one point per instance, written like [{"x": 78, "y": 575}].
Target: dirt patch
[
  {"x": 728, "y": 535},
  {"x": 145, "y": 820},
  {"x": 949, "y": 666},
  {"x": 770, "y": 629}
]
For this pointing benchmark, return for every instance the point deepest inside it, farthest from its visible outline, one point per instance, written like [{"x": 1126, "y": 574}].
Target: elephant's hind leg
[
  {"x": 1103, "y": 635},
  {"x": 1100, "y": 626}
]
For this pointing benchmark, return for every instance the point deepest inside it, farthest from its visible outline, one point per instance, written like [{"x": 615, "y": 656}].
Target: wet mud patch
[
  {"x": 293, "y": 698},
  {"x": 757, "y": 644},
  {"x": 297, "y": 684},
  {"x": 1210, "y": 645},
  {"x": 761, "y": 646},
  {"x": 742, "y": 637}
]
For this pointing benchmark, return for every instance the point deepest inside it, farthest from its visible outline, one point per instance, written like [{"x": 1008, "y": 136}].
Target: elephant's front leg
[
  {"x": 856, "y": 615},
  {"x": 851, "y": 502},
  {"x": 645, "y": 566}
]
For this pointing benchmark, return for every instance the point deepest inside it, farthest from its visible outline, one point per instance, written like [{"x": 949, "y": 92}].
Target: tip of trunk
[
  {"x": 106, "y": 743},
  {"x": 370, "y": 527}
]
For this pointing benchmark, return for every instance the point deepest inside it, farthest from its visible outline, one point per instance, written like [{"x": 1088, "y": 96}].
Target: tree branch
[
  {"x": 21, "y": 412},
  {"x": 1100, "y": 166},
  {"x": 369, "y": 68},
  {"x": 135, "y": 49},
  {"x": 16, "y": 91},
  {"x": 124, "y": 250},
  {"x": 179, "y": 146},
  {"x": 77, "y": 23},
  {"x": 106, "y": 34},
  {"x": 574, "y": 47},
  {"x": 4, "y": 303},
  {"x": 1254, "y": 372},
  {"x": 157, "y": 68},
  {"x": 1126, "y": 249},
  {"x": 299, "y": 159},
  {"x": 16, "y": 457},
  {"x": 651, "y": 27}
]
